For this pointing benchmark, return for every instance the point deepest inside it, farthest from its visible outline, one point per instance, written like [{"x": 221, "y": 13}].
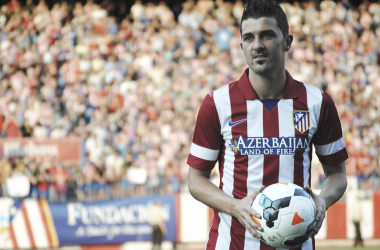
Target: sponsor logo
[
  {"x": 231, "y": 124},
  {"x": 110, "y": 214},
  {"x": 272, "y": 238},
  {"x": 301, "y": 120},
  {"x": 268, "y": 145}
]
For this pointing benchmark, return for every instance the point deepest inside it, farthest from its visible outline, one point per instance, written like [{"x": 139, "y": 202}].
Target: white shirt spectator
[
  {"x": 58, "y": 133},
  {"x": 137, "y": 175},
  {"x": 137, "y": 10},
  {"x": 114, "y": 165},
  {"x": 40, "y": 132},
  {"x": 89, "y": 145}
]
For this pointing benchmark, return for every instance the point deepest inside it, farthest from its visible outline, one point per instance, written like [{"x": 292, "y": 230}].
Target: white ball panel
[
  {"x": 274, "y": 192},
  {"x": 303, "y": 209},
  {"x": 286, "y": 222},
  {"x": 305, "y": 224}
]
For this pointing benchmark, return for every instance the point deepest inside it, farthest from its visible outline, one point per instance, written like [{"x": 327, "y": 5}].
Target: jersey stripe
[
  {"x": 224, "y": 237},
  {"x": 330, "y": 148},
  {"x": 251, "y": 243},
  {"x": 264, "y": 246},
  {"x": 255, "y": 162},
  {"x": 239, "y": 112},
  {"x": 285, "y": 116},
  {"x": 255, "y": 129},
  {"x": 310, "y": 158},
  {"x": 300, "y": 104},
  {"x": 314, "y": 102},
  {"x": 215, "y": 224},
  {"x": 223, "y": 107},
  {"x": 204, "y": 153},
  {"x": 271, "y": 162},
  {"x": 213, "y": 234}
]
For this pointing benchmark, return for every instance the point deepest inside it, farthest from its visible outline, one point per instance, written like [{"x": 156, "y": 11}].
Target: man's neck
[{"x": 268, "y": 87}]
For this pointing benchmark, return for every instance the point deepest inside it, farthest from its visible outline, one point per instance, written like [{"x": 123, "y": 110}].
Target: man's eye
[{"x": 247, "y": 38}]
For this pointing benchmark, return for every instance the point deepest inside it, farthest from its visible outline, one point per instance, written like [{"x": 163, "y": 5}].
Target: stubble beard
[{"x": 262, "y": 69}]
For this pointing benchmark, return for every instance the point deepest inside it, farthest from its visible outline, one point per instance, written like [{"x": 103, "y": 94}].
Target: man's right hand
[
  {"x": 202, "y": 189},
  {"x": 243, "y": 211}
]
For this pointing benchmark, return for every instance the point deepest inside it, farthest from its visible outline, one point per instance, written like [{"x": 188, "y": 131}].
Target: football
[{"x": 288, "y": 215}]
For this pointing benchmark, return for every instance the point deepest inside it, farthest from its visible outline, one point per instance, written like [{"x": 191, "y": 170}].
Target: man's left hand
[{"x": 321, "y": 205}]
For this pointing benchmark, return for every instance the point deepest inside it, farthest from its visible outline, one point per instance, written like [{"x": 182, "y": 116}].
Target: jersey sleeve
[
  {"x": 207, "y": 139},
  {"x": 328, "y": 139}
]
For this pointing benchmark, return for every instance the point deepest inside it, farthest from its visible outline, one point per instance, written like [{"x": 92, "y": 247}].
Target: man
[
  {"x": 357, "y": 217},
  {"x": 261, "y": 129},
  {"x": 158, "y": 225}
]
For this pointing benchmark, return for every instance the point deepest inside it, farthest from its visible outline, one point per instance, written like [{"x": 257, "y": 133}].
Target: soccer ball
[{"x": 288, "y": 215}]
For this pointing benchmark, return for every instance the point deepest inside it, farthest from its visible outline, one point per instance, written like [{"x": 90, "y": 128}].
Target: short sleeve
[
  {"x": 207, "y": 139},
  {"x": 328, "y": 139}
]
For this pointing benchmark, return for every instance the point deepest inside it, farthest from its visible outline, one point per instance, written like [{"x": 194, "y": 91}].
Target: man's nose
[{"x": 258, "y": 44}]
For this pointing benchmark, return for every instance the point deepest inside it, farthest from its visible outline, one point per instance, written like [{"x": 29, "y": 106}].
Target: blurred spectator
[
  {"x": 60, "y": 177},
  {"x": 27, "y": 129},
  {"x": 72, "y": 182},
  {"x": 10, "y": 127},
  {"x": 6, "y": 171},
  {"x": 32, "y": 172},
  {"x": 130, "y": 84},
  {"x": 157, "y": 222},
  {"x": 17, "y": 184},
  {"x": 363, "y": 168},
  {"x": 13, "y": 6}
]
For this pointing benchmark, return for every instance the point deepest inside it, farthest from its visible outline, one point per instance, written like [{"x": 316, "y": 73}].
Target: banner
[
  {"x": 68, "y": 150},
  {"x": 31, "y": 223},
  {"x": 111, "y": 222}
]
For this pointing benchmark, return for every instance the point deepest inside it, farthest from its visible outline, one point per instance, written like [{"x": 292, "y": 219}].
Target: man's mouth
[{"x": 260, "y": 56}]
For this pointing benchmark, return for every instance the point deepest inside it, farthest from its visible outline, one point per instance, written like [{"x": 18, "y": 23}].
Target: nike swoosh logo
[{"x": 231, "y": 124}]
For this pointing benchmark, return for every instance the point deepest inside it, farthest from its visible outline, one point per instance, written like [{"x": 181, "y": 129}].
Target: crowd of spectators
[{"x": 130, "y": 87}]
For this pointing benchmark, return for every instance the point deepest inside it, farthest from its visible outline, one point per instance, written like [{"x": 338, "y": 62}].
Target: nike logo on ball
[{"x": 231, "y": 124}]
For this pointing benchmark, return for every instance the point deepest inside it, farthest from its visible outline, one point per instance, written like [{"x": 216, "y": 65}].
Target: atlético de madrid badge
[{"x": 301, "y": 120}]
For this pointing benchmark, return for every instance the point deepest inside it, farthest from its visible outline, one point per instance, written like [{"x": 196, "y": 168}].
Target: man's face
[{"x": 264, "y": 45}]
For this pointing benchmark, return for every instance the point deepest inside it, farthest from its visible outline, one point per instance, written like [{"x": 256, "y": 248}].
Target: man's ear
[
  {"x": 241, "y": 46},
  {"x": 288, "y": 42}
]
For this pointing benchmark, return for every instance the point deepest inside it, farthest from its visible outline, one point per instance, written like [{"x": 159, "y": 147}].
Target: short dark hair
[{"x": 266, "y": 8}]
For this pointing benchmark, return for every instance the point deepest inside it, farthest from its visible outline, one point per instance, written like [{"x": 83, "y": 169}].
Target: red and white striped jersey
[{"x": 259, "y": 144}]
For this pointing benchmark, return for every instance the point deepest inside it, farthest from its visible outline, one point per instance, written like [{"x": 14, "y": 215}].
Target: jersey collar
[{"x": 290, "y": 92}]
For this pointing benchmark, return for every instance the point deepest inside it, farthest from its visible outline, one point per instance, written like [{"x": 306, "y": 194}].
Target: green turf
[{"x": 356, "y": 248}]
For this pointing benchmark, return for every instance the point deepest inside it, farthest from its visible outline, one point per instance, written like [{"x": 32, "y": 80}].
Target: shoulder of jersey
[
  {"x": 221, "y": 89},
  {"x": 313, "y": 92},
  {"x": 312, "y": 88}
]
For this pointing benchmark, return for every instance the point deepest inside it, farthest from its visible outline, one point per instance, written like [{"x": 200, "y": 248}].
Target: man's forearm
[
  {"x": 334, "y": 187},
  {"x": 205, "y": 191}
]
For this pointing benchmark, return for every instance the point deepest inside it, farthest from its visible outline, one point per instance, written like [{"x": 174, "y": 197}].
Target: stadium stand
[{"x": 129, "y": 85}]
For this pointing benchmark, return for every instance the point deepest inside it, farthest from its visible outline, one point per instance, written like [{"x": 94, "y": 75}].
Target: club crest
[{"x": 301, "y": 120}]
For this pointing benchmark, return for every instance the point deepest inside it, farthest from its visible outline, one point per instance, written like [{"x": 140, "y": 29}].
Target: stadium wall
[{"x": 30, "y": 223}]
